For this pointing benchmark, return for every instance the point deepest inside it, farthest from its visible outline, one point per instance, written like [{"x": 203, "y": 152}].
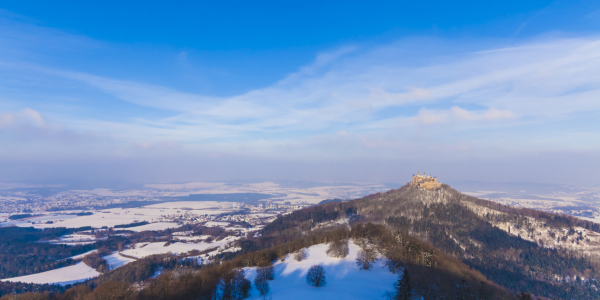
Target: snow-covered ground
[
  {"x": 63, "y": 276},
  {"x": 580, "y": 201},
  {"x": 263, "y": 215},
  {"x": 75, "y": 239},
  {"x": 194, "y": 205},
  {"x": 189, "y": 239},
  {"x": 119, "y": 216},
  {"x": 115, "y": 260},
  {"x": 82, "y": 255},
  {"x": 344, "y": 279},
  {"x": 75, "y": 243},
  {"x": 216, "y": 224},
  {"x": 285, "y": 193},
  {"x": 343, "y": 276},
  {"x": 146, "y": 249},
  {"x": 37, "y": 221},
  {"x": 72, "y": 274},
  {"x": 154, "y": 226}
]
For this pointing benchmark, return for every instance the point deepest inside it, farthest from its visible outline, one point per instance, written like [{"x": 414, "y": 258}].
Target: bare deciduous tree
[
  {"x": 112, "y": 290},
  {"x": 266, "y": 272},
  {"x": 281, "y": 253},
  {"x": 300, "y": 255},
  {"x": 262, "y": 285},
  {"x": 366, "y": 257},
  {"x": 338, "y": 248},
  {"x": 234, "y": 286},
  {"x": 316, "y": 276}
]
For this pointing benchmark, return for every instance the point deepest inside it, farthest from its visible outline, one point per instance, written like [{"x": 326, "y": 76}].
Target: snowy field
[
  {"x": 55, "y": 218},
  {"x": 146, "y": 249},
  {"x": 72, "y": 274},
  {"x": 312, "y": 193},
  {"x": 285, "y": 192},
  {"x": 80, "y": 256},
  {"x": 216, "y": 224},
  {"x": 119, "y": 216},
  {"x": 154, "y": 226},
  {"x": 115, "y": 260},
  {"x": 62, "y": 276},
  {"x": 12, "y": 198},
  {"x": 195, "y": 205},
  {"x": 580, "y": 201},
  {"x": 344, "y": 279},
  {"x": 77, "y": 237}
]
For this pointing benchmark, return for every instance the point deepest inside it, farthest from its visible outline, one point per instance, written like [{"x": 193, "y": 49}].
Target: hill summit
[{"x": 543, "y": 253}]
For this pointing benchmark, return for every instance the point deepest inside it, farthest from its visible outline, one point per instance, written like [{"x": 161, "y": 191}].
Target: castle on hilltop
[{"x": 426, "y": 182}]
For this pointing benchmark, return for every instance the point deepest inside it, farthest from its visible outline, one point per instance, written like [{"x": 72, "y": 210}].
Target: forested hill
[{"x": 546, "y": 254}]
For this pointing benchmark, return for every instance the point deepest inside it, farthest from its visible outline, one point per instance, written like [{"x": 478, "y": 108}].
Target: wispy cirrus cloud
[{"x": 538, "y": 80}]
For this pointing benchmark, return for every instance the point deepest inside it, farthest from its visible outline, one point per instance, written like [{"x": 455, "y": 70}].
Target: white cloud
[
  {"x": 32, "y": 116},
  {"x": 490, "y": 114},
  {"x": 25, "y": 117},
  {"x": 427, "y": 116},
  {"x": 6, "y": 120}
]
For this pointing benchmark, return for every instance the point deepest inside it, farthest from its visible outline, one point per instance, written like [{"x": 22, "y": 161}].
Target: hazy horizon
[{"x": 526, "y": 188}]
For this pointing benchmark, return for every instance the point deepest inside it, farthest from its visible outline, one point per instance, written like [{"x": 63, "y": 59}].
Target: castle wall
[{"x": 426, "y": 182}]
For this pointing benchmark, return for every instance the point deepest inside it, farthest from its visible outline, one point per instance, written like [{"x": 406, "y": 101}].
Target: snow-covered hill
[
  {"x": 62, "y": 276},
  {"x": 72, "y": 274},
  {"x": 142, "y": 250},
  {"x": 344, "y": 279}
]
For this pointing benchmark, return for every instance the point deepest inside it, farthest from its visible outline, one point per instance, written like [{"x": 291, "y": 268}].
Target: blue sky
[{"x": 339, "y": 91}]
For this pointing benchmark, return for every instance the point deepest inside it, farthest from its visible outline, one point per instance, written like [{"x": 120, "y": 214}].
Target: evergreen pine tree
[
  {"x": 483, "y": 293},
  {"x": 403, "y": 287},
  {"x": 463, "y": 290},
  {"x": 524, "y": 296}
]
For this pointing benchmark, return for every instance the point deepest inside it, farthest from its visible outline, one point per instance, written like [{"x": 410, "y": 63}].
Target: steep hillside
[{"x": 546, "y": 254}]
